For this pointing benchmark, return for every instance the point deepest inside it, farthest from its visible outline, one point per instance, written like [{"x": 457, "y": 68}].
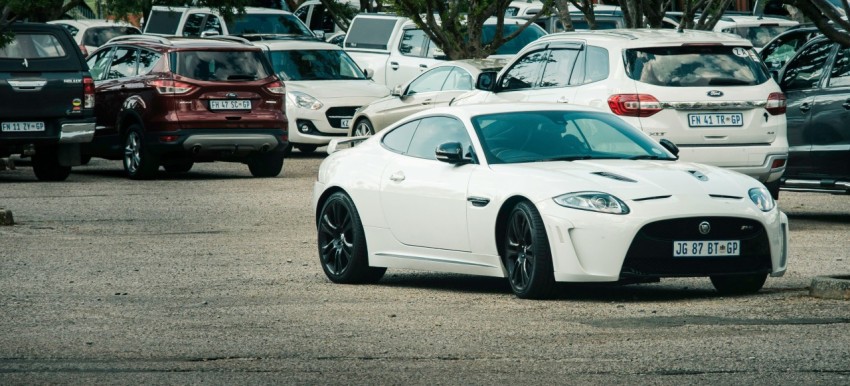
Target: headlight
[
  {"x": 304, "y": 101},
  {"x": 593, "y": 201},
  {"x": 762, "y": 198}
]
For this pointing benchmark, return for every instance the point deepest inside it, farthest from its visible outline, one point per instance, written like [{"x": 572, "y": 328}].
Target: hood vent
[
  {"x": 725, "y": 196},
  {"x": 652, "y": 198},
  {"x": 698, "y": 175},
  {"x": 613, "y": 176}
]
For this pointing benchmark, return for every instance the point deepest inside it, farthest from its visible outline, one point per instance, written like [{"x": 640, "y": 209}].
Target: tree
[
  {"x": 456, "y": 25},
  {"x": 821, "y": 13},
  {"x": 650, "y": 13}
]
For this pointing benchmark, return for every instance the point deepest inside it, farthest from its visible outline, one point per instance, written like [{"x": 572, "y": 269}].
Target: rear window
[
  {"x": 314, "y": 65},
  {"x": 758, "y": 35},
  {"x": 220, "y": 65},
  {"x": 98, "y": 36},
  {"x": 370, "y": 33},
  {"x": 269, "y": 23},
  {"x": 511, "y": 47},
  {"x": 33, "y": 46},
  {"x": 695, "y": 66},
  {"x": 163, "y": 22}
]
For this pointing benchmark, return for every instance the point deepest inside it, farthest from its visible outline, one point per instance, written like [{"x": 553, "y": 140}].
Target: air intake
[
  {"x": 613, "y": 176},
  {"x": 698, "y": 175}
]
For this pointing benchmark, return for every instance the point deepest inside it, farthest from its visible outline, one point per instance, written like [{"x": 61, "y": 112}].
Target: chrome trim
[
  {"x": 27, "y": 85},
  {"x": 433, "y": 259},
  {"x": 96, "y": 128},
  {"x": 77, "y": 133},
  {"x": 478, "y": 202},
  {"x": 714, "y": 105},
  {"x": 816, "y": 186}
]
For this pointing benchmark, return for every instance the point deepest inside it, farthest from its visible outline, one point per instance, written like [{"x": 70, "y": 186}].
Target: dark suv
[
  {"x": 176, "y": 101},
  {"x": 46, "y": 99}
]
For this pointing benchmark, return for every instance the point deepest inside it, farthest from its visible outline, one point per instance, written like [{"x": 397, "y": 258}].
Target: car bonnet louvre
[
  {"x": 653, "y": 198},
  {"x": 725, "y": 196},
  {"x": 613, "y": 176},
  {"x": 698, "y": 175}
]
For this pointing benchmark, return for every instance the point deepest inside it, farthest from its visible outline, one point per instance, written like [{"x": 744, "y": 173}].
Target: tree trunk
[{"x": 563, "y": 9}]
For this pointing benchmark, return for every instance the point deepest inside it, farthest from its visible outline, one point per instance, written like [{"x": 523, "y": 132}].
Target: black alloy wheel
[
  {"x": 342, "y": 243},
  {"x": 526, "y": 254}
]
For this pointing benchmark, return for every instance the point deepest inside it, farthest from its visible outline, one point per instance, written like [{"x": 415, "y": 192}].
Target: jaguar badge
[{"x": 704, "y": 227}]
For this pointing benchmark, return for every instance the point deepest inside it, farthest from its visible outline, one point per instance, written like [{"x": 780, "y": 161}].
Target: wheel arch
[
  {"x": 127, "y": 119},
  {"x": 324, "y": 197},
  {"x": 357, "y": 122},
  {"x": 504, "y": 211}
]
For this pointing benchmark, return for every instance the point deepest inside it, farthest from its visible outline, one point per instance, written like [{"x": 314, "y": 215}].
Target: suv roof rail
[
  {"x": 229, "y": 38},
  {"x": 150, "y": 38}
]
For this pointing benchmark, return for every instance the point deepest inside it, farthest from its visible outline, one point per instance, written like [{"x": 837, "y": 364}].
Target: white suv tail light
[
  {"x": 776, "y": 103},
  {"x": 634, "y": 105}
]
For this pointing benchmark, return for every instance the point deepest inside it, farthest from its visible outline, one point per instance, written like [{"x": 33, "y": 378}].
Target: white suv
[{"x": 708, "y": 92}]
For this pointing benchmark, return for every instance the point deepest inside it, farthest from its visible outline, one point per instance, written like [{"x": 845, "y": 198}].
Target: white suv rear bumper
[{"x": 754, "y": 161}]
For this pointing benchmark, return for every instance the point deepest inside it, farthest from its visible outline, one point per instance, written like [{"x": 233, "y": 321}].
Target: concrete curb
[
  {"x": 831, "y": 287},
  {"x": 6, "y": 217}
]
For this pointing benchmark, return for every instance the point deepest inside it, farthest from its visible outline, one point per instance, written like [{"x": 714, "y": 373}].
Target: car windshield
[
  {"x": 98, "y": 36},
  {"x": 269, "y": 23},
  {"x": 220, "y": 65},
  {"x": 758, "y": 35},
  {"x": 535, "y": 136},
  {"x": 696, "y": 66},
  {"x": 314, "y": 65},
  {"x": 511, "y": 47}
]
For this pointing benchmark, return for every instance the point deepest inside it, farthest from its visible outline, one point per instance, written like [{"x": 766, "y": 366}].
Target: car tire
[
  {"x": 45, "y": 165},
  {"x": 739, "y": 284},
  {"x": 139, "y": 163},
  {"x": 363, "y": 127},
  {"x": 342, "y": 243},
  {"x": 525, "y": 253},
  {"x": 773, "y": 188},
  {"x": 266, "y": 165},
  {"x": 178, "y": 167},
  {"x": 306, "y": 149}
]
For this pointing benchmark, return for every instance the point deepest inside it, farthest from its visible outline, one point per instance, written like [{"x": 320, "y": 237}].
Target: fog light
[{"x": 304, "y": 128}]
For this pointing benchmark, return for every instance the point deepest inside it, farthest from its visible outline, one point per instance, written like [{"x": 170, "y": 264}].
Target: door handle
[
  {"x": 423, "y": 66},
  {"x": 394, "y": 65},
  {"x": 427, "y": 101},
  {"x": 805, "y": 107},
  {"x": 846, "y": 105},
  {"x": 562, "y": 99},
  {"x": 397, "y": 177}
]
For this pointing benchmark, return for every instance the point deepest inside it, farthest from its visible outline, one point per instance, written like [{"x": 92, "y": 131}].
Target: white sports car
[{"x": 540, "y": 193}]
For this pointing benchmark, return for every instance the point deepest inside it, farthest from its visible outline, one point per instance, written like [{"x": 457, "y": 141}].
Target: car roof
[
  {"x": 751, "y": 20},
  {"x": 468, "y": 111},
  {"x": 248, "y": 10},
  {"x": 86, "y": 23},
  {"x": 180, "y": 43},
  {"x": 648, "y": 37},
  {"x": 278, "y": 45}
]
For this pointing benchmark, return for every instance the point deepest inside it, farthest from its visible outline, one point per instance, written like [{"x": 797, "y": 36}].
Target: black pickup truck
[{"x": 46, "y": 99}]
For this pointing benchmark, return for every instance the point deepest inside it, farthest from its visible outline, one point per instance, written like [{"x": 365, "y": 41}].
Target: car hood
[
  {"x": 327, "y": 89},
  {"x": 629, "y": 179}
]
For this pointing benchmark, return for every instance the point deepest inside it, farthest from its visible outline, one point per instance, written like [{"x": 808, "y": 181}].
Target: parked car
[
  {"x": 759, "y": 30},
  {"x": 435, "y": 87},
  {"x": 397, "y": 50},
  {"x": 817, "y": 83},
  {"x": 92, "y": 33},
  {"x": 48, "y": 99},
  {"x": 172, "y": 102},
  {"x": 706, "y": 91},
  {"x": 312, "y": 13},
  {"x": 778, "y": 51},
  {"x": 199, "y": 22},
  {"x": 605, "y": 17},
  {"x": 538, "y": 194},
  {"x": 323, "y": 86}
]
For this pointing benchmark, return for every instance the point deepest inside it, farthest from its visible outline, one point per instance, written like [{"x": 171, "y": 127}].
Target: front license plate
[
  {"x": 230, "y": 104},
  {"x": 343, "y": 123},
  {"x": 706, "y": 248},
  {"x": 716, "y": 119},
  {"x": 22, "y": 126}
]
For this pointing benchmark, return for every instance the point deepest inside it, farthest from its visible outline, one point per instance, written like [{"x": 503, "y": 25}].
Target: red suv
[{"x": 172, "y": 102}]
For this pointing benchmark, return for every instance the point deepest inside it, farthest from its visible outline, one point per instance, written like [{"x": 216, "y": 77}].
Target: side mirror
[
  {"x": 319, "y": 34},
  {"x": 670, "y": 146},
  {"x": 486, "y": 81},
  {"x": 369, "y": 73},
  {"x": 397, "y": 90},
  {"x": 451, "y": 152}
]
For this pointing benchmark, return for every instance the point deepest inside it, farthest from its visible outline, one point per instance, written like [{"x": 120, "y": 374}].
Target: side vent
[
  {"x": 723, "y": 196},
  {"x": 652, "y": 198},
  {"x": 613, "y": 176},
  {"x": 698, "y": 175}
]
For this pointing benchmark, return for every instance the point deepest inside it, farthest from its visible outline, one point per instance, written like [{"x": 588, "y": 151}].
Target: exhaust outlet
[
  {"x": 196, "y": 149},
  {"x": 265, "y": 148}
]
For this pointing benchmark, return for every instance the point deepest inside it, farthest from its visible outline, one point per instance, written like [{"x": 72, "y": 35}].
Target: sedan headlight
[
  {"x": 593, "y": 201},
  {"x": 762, "y": 198},
  {"x": 304, "y": 101}
]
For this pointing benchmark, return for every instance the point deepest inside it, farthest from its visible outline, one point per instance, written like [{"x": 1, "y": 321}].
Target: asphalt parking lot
[{"x": 213, "y": 277}]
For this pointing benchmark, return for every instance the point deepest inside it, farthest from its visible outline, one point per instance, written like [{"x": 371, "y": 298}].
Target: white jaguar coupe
[{"x": 540, "y": 193}]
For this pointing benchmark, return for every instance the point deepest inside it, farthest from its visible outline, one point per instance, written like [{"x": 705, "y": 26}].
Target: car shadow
[{"x": 834, "y": 218}]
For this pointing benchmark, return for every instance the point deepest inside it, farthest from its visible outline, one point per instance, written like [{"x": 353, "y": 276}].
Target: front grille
[
  {"x": 651, "y": 252},
  {"x": 335, "y": 115}
]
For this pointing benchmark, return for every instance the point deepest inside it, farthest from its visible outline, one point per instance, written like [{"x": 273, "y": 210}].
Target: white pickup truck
[{"x": 395, "y": 50}]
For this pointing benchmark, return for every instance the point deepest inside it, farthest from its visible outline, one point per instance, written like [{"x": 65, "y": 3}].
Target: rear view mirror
[
  {"x": 486, "y": 81},
  {"x": 670, "y": 146},
  {"x": 369, "y": 73}
]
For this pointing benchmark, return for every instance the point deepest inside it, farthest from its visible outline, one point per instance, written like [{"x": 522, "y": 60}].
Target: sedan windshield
[
  {"x": 269, "y": 23},
  {"x": 534, "y": 136},
  {"x": 314, "y": 65}
]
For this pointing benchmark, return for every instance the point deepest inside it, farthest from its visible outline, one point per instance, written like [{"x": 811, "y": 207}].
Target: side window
[
  {"x": 123, "y": 63},
  {"x": 301, "y": 13},
  {"x": 458, "y": 79},
  {"x": 398, "y": 140},
  {"x": 213, "y": 24},
  {"x": 414, "y": 42},
  {"x": 98, "y": 63},
  {"x": 805, "y": 71},
  {"x": 840, "y": 74},
  {"x": 523, "y": 74},
  {"x": 558, "y": 68},
  {"x": 434, "y": 131},
  {"x": 193, "y": 24},
  {"x": 596, "y": 64},
  {"x": 147, "y": 59},
  {"x": 430, "y": 81}
]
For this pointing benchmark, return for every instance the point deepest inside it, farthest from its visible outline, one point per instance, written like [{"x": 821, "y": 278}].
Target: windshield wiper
[
  {"x": 566, "y": 158},
  {"x": 650, "y": 157}
]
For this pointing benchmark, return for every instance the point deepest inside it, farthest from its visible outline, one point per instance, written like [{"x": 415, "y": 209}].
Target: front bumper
[{"x": 319, "y": 127}]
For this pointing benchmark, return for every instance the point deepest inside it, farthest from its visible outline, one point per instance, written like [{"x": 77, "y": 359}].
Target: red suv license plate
[{"x": 230, "y": 104}]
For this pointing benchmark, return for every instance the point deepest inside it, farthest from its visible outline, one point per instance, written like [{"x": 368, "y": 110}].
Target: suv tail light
[
  {"x": 276, "y": 87},
  {"x": 171, "y": 87},
  {"x": 634, "y": 105},
  {"x": 88, "y": 92},
  {"x": 776, "y": 103}
]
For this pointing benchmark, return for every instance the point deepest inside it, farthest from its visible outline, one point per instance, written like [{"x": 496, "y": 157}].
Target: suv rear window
[
  {"x": 98, "y": 36},
  {"x": 33, "y": 46},
  {"x": 370, "y": 33},
  {"x": 268, "y": 23},
  {"x": 163, "y": 22},
  {"x": 695, "y": 66},
  {"x": 220, "y": 65}
]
